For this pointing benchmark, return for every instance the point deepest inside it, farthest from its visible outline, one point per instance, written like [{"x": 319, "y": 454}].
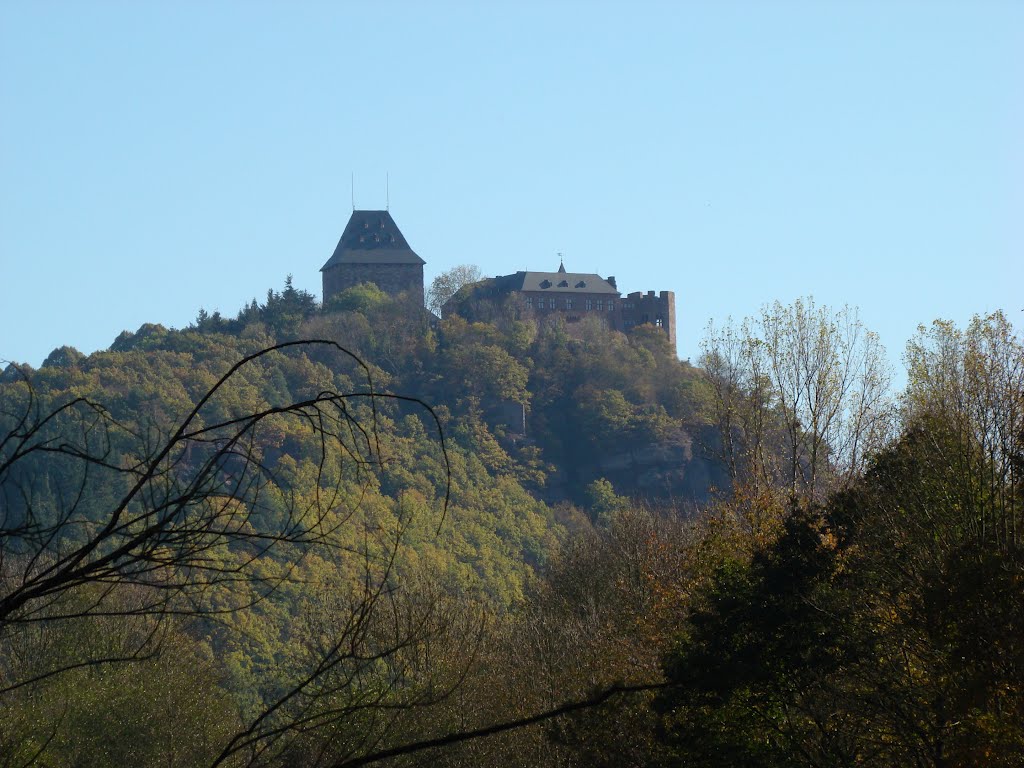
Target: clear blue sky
[{"x": 160, "y": 157}]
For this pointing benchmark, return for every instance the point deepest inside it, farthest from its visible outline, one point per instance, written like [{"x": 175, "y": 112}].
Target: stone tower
[{"x": 373, "y": 250}]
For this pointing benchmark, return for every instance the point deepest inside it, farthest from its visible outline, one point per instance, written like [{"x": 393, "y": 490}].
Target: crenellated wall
[{"x": 639, "y": 308}]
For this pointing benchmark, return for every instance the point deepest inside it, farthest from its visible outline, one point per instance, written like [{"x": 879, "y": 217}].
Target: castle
[{"x": 373, "y": 250}]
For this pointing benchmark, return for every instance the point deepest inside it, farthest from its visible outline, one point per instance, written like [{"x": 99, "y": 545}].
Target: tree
[
  {"x": 99, "y": 521},
  {"x": 364, "y": 298},
  {"x": 885, "y": 626},
  {"x": 756, "y": 673},
  {"x": 969, "y": 385},
  {"x": 449, "y": 283},
  {"x": 943, "y": 609},
  {"x": 595, "y": 617},
  {"x": 808, "y": 380},
  {"x": 146, "y": 539}
]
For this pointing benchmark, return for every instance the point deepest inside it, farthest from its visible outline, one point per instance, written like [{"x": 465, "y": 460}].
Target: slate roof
[
  {"x": 555, "y": 282},
  {"x": 372, "y": 237}
]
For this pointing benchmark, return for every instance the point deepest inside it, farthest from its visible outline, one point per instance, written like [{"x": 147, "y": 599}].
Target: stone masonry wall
[
  {"x": 639, "y": 308},
  {"x": 393, "y": 279}
]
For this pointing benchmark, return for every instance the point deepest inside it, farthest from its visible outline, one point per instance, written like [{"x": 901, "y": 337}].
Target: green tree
[
  {"x": 969, "y": 385},
  {"x": 879, "y": 629},
  {"x": 150, "y": 526}
]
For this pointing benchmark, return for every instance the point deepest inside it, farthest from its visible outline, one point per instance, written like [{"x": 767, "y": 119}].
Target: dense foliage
[{"x": 286, "y": 565}]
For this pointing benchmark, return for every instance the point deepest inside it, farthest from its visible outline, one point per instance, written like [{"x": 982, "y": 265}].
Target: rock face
[
  {"x": 675, "y": 468},
  {"x": 678, "y": 468}
]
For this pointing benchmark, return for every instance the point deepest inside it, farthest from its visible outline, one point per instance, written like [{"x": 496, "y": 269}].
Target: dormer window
[
  {"x": 564, "y": 284},
  {"x": 546, "y": 284},
  {"x": 581, "y": 284}
]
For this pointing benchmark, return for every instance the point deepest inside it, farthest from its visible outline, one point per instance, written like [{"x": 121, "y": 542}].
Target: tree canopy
[{"x": 506, "y": 542}]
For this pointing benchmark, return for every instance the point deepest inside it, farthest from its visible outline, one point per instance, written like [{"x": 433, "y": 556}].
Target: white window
[
  {"x": 529, "y": 302},
  {"x": 611, "y": 305},
  {"x": 590, "y": 304},
  {"x": 600, "y": 304},
  {"x": 568, "y": 303}
]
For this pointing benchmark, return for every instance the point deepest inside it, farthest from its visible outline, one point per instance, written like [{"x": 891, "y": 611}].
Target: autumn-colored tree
[
  {"x": 204, "y": 522},
  {"x": 968, "y": 386},
  {"x": 448, "y": 284},
  {"x": 882, "y": 628},
  {"x": 800, "y": 396}
]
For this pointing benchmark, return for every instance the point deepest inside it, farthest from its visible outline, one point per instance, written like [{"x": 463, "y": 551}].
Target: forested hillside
[{"x": 330, "y": 535}]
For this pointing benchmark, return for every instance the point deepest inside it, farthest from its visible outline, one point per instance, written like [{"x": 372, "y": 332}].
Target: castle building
[
  {"x": 659, "y": 310},
  {"x": 572, "y": 296},
  {"x": 372, "y": 249}
]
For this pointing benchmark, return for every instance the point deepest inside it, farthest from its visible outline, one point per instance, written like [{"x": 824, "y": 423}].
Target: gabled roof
[
  {"x": 372, "y": 237},
  {"x": 555, "y": 282}
]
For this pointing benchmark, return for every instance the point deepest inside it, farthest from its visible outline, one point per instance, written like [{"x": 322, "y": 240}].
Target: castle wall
[
  {"x": 542, "y": 304},
  {"x": 640, "y": 308},
  {"x": 392, "y": 279}
]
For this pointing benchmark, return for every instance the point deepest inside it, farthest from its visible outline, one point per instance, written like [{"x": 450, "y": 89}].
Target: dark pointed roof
[{"x": 372, "y": 237}]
